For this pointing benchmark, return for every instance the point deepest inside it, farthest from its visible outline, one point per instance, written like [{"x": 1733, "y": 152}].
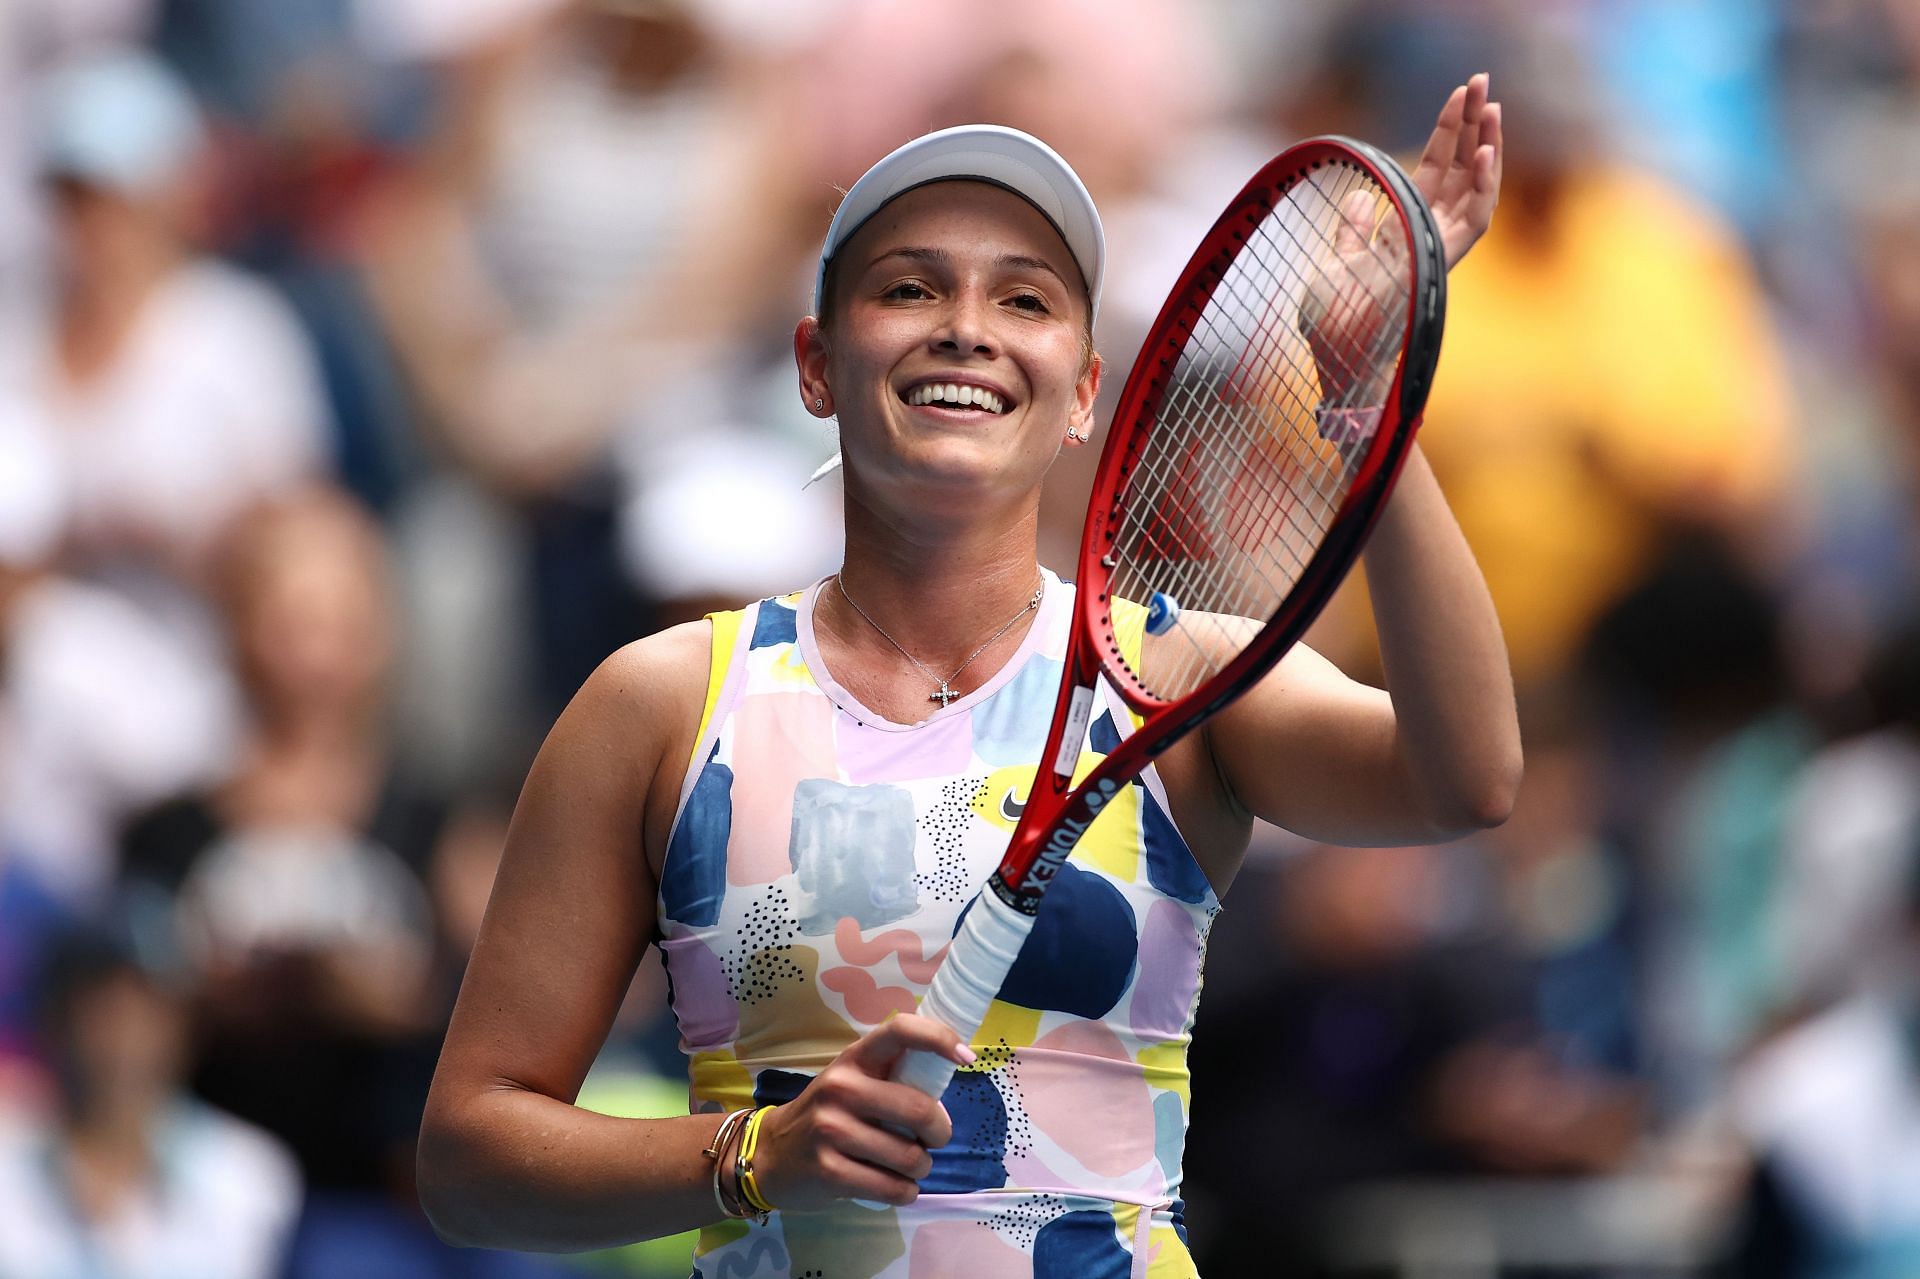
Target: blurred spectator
[
  {"x": 128, "y": 1176},
  {"x": 529, "y": 270},
  {"x": 297, "y": 882},
  {"x": 551, "y": 268},
  {"x": 1852, "y": 844},
  {"x": 1364, "y": 1021},
  {"x": 1829, "y": 1098},
  {"x": 1579, "y": 411},
  {"x": 1831, "y": 1107},
  {"x": 100, "y": 712},
  {"x": 313, "y": 118},
  {"x": 181, "y": 390},
  {"x": 173, "y": 392},
  {"x": 37, "y": 36},
  {"x": 297, "y": 890},
  {"x": 1568, "y": 894},
  {"x": 1691, "y": 670},
  {"x": 1849, "y": 279}
]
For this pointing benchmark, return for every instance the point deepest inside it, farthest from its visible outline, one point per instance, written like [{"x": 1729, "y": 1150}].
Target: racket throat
[
  {"x": 1073, "y": 731},
  {"x": 1031, "y": 863}
]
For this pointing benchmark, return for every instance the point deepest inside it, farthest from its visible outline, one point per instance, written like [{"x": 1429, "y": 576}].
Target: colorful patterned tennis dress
[{"x": 818, "y": 866}]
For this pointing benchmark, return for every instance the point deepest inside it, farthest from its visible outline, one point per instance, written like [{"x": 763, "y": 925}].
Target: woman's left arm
[{"x": 1438, "y": 753}]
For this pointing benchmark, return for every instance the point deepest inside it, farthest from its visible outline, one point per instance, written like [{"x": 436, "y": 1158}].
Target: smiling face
[{"x": 954, "y": 351}]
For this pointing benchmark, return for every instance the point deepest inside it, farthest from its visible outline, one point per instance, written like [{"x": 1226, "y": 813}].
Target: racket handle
[{"x": 975, "y": 968}]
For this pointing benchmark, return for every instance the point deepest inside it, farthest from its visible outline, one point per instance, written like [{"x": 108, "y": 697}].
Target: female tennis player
[{"x": 796, "y": 802}]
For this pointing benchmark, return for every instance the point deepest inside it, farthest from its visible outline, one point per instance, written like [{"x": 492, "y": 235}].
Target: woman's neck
[
  {"x": 914, "y": 620},
  {"x": 938, "y": 593}
]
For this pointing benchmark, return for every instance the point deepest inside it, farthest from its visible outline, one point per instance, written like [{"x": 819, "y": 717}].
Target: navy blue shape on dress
[
  {"x": 776, "y": 624},
  {"x": 695, "y": 876},
  {"x": 1081, "y": 953},
  {"x": 1080, "y": 1245},
  {"x": 778, "y": 1087},
  {"x": 976, "y": 1158},
  {"x": 1170, "y": 864}
]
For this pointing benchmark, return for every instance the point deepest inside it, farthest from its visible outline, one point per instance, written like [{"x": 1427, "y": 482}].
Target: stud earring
[
  {"x": 1073, "y": 434},
  {"x": 818, "y": 404}
]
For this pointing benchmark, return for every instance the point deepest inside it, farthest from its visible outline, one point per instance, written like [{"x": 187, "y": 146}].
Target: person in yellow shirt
[{"x": 1610, "y": 372}]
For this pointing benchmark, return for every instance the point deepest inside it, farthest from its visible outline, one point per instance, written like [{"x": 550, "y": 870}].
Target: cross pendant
[{"x": 942, "y": 695}]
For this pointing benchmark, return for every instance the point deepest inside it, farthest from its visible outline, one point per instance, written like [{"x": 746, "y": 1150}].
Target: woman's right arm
[{"x": 505, "y": 1159}]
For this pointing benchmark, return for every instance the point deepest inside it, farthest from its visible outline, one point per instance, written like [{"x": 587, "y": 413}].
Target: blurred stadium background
[{"x": 369, "y": 369}]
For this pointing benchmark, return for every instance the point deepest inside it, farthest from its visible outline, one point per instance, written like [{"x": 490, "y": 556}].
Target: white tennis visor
[{"x": 1020, "y": 162}]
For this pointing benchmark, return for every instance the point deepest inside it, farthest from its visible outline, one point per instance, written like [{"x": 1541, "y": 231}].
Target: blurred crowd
[{"x": 370, "y": 369}]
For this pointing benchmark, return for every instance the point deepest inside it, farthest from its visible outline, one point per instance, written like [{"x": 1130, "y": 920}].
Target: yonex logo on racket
[{"x": 1065, "y": 835}]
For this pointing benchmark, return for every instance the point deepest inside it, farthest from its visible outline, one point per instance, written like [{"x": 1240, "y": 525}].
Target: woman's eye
[
  {"x": 1030, "y": 302},
  {"x": 907, "y": 290}
]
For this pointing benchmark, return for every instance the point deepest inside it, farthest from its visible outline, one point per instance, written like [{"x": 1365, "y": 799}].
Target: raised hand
[{"x": 1459, "y": 172}]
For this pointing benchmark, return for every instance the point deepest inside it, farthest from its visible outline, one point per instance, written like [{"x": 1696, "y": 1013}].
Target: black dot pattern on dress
[
  {"x": 1001, "y": 1065},
  {"x": 945, "y": 825},
  {"x": 761, "y": 964},
  {"x": 1023, "y": 1221}
]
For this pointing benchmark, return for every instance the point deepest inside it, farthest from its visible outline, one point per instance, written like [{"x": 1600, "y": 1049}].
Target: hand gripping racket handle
[{"x": 964, "y": 986}]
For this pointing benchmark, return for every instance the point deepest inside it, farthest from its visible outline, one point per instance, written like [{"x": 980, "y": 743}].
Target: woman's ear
[
  {"x": 810, "y": 359},
  {"x": 1086, "y": 393}
]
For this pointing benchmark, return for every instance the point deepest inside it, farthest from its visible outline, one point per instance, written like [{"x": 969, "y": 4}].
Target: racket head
[{"x": 1229, "y": 502}]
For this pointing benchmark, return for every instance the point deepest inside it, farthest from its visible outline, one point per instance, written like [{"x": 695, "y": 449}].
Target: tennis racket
[{"x": 1255, "y": 442}]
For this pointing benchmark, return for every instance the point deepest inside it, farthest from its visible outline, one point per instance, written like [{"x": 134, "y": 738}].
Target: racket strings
[{"x": 1251, "y": 456}]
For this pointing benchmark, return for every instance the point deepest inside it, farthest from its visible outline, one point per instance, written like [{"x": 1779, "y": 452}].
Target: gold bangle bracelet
[{"x": 722, "y": 1138}]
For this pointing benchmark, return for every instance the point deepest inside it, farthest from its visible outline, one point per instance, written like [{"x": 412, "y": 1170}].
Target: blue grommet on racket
[{"x": 1163, "y": 612}]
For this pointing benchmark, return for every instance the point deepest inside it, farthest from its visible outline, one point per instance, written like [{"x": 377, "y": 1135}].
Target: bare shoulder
[
  {"x": 663, "y": 669},
  {"x": 643, "y": 704}
]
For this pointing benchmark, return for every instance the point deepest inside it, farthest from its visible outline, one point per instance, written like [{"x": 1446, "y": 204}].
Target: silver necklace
[{"x": 944, "y": 693}]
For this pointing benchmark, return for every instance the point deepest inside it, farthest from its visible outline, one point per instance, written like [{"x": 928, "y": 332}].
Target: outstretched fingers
[
  {"x": 1459, "y": 172},
  {"x": 1491, "y": 154},
  {"x": 1473, "y": 106},
  {"x": 1443, "y": 142}
]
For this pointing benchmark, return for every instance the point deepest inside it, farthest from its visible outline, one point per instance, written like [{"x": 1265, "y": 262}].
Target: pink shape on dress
[
  {"x": 942, "y": 749},
  {"x": 867, "y": 1001},
  {"x": 915, "y": 966},
  {"x": 943, "y": 1249},
  {"x": 1082, "y": 1089},
  {"x": 777, "y": 739}
]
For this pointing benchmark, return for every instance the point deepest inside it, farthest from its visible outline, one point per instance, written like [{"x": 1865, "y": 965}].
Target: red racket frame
[{"x": 1058, "y": 813}]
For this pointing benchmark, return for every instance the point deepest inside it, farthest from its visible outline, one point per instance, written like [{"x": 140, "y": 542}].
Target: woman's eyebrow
[{"x": 941, "y": 258}]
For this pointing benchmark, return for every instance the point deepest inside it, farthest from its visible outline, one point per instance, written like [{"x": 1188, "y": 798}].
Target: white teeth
[{"x": 952, "y": 393}]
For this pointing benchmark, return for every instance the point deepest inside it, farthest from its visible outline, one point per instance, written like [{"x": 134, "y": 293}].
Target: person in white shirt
[{"x": 126, "y": 1176}]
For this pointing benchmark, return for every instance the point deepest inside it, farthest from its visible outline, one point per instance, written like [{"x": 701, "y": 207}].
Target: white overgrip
[{"x": 975, "y": 968}]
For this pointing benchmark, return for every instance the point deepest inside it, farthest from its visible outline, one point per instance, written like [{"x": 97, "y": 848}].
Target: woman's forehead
[{"x": 962, "y": 217}]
